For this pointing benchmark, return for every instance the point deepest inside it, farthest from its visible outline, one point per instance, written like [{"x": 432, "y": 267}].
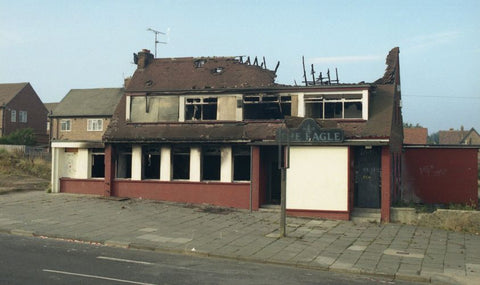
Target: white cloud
[
  {"x": 426, "y": 41},
  {"x": 346, "y": 59}
]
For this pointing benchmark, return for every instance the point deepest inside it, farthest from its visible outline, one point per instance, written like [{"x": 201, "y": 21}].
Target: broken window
[
  {"x": 201, "y": 108},
  {"x": 211, "y": 163},
  {"x": 266, "y": 106},
  {"x": 147, "y": 109},
  {"x": 151, "y": 162},
  {"x": 181, "y": 162},
  {"x": 124, "y": 162},
  {"x": 241, "y": 163},
  {"x": 98, "y": 163},
  {"x": 334, "y": 106}
]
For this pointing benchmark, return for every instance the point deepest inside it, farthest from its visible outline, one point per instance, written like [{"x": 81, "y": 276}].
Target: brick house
[
  {"x": 78, "y": 123},
  {"x": 208, "y": 130},
  {"x": 50, "y": 107},
  {"x": 415, "y": 135},
  {"x": 21, "y": 108}
]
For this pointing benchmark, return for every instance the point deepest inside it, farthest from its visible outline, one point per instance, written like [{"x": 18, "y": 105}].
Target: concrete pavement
[{"x": 398, "y": 251}]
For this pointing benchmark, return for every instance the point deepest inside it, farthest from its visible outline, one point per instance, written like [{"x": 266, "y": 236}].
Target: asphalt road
[{"x": 26, "y": 260}]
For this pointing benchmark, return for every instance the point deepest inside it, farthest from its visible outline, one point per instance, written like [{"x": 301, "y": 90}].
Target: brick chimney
[{"x": 144, "y": 58}]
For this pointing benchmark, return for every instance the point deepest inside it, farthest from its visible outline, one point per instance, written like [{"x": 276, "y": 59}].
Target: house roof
[
  {"x": 189, "y": 73},
  {"x": 50, "y": 106},
  {"x": 415, "y": 135},
  {"x": 472, "y": 137},
  {"x": 89, "y": 102},
  {"x": 377, "y": 127},
  {"x": 9, "y": 90},
  {"x": 451, "y": 136}
]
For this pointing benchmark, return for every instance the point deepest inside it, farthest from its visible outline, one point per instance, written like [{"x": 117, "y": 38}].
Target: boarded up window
[
  {"x": 241, "y": 163},
  {"x": 211, "y": 163},
  {"x": 147, "y": 109},
  {"x": 181, "y": 162}
]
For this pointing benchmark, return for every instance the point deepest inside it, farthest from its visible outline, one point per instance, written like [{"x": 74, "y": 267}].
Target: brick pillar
[
  {"x": 255, "y": 179},
  {"x": 386, "y": 184},
  {"x": 109, "y": 170}
]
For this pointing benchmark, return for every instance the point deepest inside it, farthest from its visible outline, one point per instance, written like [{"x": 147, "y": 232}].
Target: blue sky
[{"x": 61, "y": 45}]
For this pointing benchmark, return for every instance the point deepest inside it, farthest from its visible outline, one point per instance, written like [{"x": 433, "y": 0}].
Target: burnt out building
[{"x": 207, "y": 130}]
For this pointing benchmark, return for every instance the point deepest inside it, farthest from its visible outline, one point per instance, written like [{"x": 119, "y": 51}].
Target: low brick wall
[{"x": 455, "y": 220}]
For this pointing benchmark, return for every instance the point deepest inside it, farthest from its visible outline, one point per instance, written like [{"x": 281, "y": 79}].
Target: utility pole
[{"x": 156, "y": 38}]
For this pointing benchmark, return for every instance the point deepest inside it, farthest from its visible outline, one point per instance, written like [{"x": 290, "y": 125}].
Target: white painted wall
[
  {"x": 318, "y": 178},
  {"x": 83, "y": 164},
  {"x": 226, "y": 170},
  {"x": 195, "y": 163},
  {"x": 57, "y": 158},
  {"x": 165, "y": 163},
  {"x": 136, "y": 162}
]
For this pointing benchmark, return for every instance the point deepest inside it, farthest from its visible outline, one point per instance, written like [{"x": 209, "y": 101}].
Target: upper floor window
[
  {"x": 95, "y": 125},
  {"x": 22, "y": 116},
  {"x": 201, "y": 108},
  {"x": 266, "y": 106},
  {"x": 334, "y": 106},
  {"x": 13, "y": 116},
  {"x": 65, "y": 125}
]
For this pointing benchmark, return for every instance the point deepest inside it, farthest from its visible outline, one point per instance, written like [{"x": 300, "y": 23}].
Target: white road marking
[
  {"x": 124, "y": 260},
  {"x": 96, "y": 277}
]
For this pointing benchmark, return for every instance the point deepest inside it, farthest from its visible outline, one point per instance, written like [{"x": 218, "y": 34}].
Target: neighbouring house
[
  {"x": 21, "y": 108},
  {"x": 461, "y": 136},
  {"x": 213, "y": 130},
  {"x": 415, "y": 135},
  {"x": 78, "y": 123},
  {"x": 50, "y": 107}
]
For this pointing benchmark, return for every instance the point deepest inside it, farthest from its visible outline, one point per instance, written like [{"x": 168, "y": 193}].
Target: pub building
[{"x": 208, "y": 131}]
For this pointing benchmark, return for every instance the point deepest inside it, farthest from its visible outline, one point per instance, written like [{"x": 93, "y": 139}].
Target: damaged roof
[
  {"x": 88, "y": 102},
  {"x": 377, "y": 127},
  {"x": 189, "y": 73}
]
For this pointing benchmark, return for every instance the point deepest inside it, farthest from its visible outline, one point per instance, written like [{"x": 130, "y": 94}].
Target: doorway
[
  {"x": 270, "y": 175},
  {"x": 367, "y": 190}
]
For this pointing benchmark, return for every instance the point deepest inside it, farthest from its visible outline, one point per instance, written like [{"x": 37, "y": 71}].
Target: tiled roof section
[
  {"x": 391, "y": 62},
  {"x": 50, "y": 106},
  {"x": 451, "y": 136},
  {"x": 163, "y": 74},
  {"x": 377, "y": 127},
  {"x": 472, "y": 137},
  {"x": 415, "y": 135},
  {"x": 9, "y": 90},
  {"x": 89, "y": 102}
]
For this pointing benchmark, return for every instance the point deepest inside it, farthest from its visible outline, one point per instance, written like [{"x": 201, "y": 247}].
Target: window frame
[
  {"x": 91, "y": 124},
  {"x": 23, "y": 116},
  {"x": 200, "y": 103},
  {"x": 68, "y": 123},
  {"x": 13, "y": 116},
  {"x": 333, "y": 100}
]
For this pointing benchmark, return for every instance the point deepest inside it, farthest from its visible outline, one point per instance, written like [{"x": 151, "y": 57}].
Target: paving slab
[{"x": 402, "y": 251}]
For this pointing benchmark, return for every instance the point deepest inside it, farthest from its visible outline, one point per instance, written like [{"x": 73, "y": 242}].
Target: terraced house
[{"x": 209, "y": 130}]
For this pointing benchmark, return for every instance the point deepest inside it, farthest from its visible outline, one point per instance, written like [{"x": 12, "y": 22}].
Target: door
[{"x": 367, "y": 177}]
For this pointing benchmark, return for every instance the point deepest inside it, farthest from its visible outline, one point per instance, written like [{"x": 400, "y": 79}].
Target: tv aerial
[{"x": 156, "y": 37}]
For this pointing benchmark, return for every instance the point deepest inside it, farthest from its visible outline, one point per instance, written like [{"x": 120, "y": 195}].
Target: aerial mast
[{"x": 156, "y": 38}]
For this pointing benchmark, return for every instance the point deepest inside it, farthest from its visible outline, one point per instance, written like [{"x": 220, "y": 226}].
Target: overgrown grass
[{"x": 16, "y": 164}]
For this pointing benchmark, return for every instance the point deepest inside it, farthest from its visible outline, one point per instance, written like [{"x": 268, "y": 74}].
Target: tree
[
  {"x": 20, "y": 137},
  {"x": 433, "y": 138},
  {"x": 410, "y": 125}
]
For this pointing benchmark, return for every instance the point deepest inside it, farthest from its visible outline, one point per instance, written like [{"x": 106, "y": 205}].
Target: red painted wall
[
  {"x": 441, "y": 175},
  {"x": 386, "y": 162},
  {"x": 235, "y": 195},
  {"x": 81, "y": 186}
]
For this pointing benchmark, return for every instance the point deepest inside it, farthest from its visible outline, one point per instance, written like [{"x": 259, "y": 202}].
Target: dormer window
[
  {"x": 335, "y": 106},
  {"x": 201, "y": 108},
  {"x": 218, "y": 70},
  {"x": 199, "y": 63}
]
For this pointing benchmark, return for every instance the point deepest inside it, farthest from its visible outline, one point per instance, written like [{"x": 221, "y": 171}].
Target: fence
[{"x": 28, "y": 151}]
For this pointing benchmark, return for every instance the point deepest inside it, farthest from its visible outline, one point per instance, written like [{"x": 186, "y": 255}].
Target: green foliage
[
  {"x": 20, "y": 137},
  {"x": 433, "y": 138},
  {"x": 16, "y": 164},
  {"x": 410, "y": 125}
]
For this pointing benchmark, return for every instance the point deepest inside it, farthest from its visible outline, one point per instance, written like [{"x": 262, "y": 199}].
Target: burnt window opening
[
  {"x": 199, "y": 63},
  {"x": 211, "y": 163},
  {"x": 181, "y": 163},
  {"x": 200, "y": 109},
  {"x": 218, "y": 70},
  {"x": 124, "y": 163},
  {"x": 151, "y": 162},
  {"x": 266, "y": 107},
  {"x": 98, "y": 163},
  {"x": 241, "y": 163},
  {"x": 334, "y": 106}
]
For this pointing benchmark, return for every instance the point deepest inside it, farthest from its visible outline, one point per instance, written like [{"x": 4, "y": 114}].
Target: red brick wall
[{"x": 441, "y": 175}]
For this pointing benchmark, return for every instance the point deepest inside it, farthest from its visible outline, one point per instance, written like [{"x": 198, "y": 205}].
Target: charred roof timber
[{"x": 320, "y": 80}]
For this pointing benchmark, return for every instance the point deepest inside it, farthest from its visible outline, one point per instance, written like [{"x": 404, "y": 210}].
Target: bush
[
  {"x": 16, "y": 164},
  {"x": 20, "y": 137}
]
